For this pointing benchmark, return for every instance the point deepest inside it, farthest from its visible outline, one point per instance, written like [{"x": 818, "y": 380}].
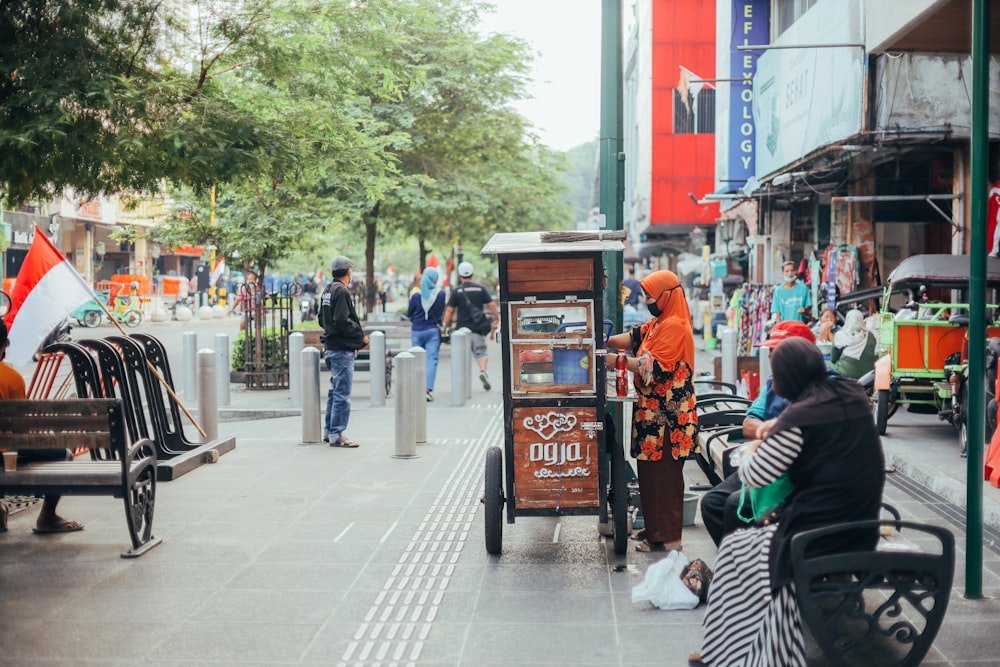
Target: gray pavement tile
[
  {"x": 73, "y": 640},
  {"x": 233, "y": 643},
  {"x": 554, "y": 605},
  {"x": 544, "y": 577},
  {"x": 281, "y": 606},
  {"x": 116, "y": 605},
  {"x": 539, "y": 643}
]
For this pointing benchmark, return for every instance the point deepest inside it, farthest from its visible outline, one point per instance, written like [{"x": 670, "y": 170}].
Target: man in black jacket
[{"x": 342, "y": 338}]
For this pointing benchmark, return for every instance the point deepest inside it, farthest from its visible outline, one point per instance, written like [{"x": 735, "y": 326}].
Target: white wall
[{"x": 887, "y": 20}]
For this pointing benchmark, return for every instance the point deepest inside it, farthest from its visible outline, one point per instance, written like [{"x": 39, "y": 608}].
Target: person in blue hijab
[{"x": 425, "y": 311}]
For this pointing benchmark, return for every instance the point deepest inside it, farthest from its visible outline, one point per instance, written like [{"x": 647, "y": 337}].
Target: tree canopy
[{"x": 316, "y": 121}]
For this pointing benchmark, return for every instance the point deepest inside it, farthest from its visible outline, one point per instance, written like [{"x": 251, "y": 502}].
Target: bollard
[
  {"x": 296, "y": 343},
  {"x": 376, "y": 362},
  {"x": 765, "y": 366},
  {"x": 312, "y": 423},
  {"x": 729, "y": 356},
  {"x": 471, "y": 369},
  {"x": 222, "y": 369},
  {"x": 459, "y": 373},
  {"x": 208, "y": 408},
  {"x": 420, "y": 391},
  {"x": 406, "y": 436},
  {"x": 190, "y": 347}
]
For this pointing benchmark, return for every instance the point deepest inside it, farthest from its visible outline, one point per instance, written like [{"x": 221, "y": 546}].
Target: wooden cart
[{"x": 555, "y": 458}]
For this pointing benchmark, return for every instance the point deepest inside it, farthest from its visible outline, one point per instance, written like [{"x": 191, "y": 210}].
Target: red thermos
[{"x": 621, "y": 374}]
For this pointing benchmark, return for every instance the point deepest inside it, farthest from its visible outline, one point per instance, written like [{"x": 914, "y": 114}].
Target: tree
[{"x": 470, "y": 166}]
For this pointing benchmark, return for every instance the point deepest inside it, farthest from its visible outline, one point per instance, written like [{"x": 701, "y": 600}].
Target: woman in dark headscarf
[
  {"x": 664, "y": 423},
  {"x": 827, "y": 443}
]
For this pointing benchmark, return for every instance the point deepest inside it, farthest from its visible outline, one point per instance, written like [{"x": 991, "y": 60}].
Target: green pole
[
  {"x": 612, "y": 166},
  {"x": 979, "y": 151}
]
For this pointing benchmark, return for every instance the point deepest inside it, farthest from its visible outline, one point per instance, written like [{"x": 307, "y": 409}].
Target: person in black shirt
[
  {"x": 343, "y": 336},
  {"x": 465, "y": 300}
]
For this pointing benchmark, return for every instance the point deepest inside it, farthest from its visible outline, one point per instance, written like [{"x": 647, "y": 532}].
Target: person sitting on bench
[
  {"x": 720, "y": 506},
  {"x": 825, "y": 440},
  {"x": 12, "y": 388}
]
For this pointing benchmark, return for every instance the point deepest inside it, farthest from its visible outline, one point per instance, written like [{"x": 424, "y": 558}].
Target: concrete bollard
[
  {"x": 189, "y": 341},
  {"x": 765, "y": 366},
  {"x": 460, "y": 352},
  {"x": 470, "y": 369},
  {"x": 208, "y": 408},
  {"x": 420, "y": 391},
  {"x": 312, "y": 422},
  {"x": 729, "y": 356},
  {"x": 406, "y": 435},
  {"x": 296, "y": 343},
  {"x": 222, "y": 368},
  {"x": 376, "y": 361}
]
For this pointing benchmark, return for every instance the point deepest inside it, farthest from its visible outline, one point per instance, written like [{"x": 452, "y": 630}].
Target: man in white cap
[
  {"x": 342, "y": 337},
  {"x": 468, "y": 300}
]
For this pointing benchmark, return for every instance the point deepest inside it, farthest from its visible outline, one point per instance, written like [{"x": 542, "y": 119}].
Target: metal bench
[
  {"x": 877, "y": 607},
  {"x": 114, "y": 468}
]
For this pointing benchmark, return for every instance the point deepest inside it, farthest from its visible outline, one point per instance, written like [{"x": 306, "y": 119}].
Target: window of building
[
  {"x": 786, "y": 12},
  {"x": 698, "y": 115}
]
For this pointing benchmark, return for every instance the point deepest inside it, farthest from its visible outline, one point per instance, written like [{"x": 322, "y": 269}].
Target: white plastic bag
[{"x": 663, "y": 586}]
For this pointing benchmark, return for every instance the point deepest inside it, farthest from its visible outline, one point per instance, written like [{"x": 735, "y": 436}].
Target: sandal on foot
[
  {"x": 694, "y": 660},
  {"x": 343, "y": 442},
  {"x": 61, "y": 526},
  {"x": 647, "y": 547},
  {"x": 639, "y": 535}
]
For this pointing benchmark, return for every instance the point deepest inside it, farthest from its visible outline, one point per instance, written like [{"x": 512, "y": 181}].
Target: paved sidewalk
[{"x": 292, "y": 554}]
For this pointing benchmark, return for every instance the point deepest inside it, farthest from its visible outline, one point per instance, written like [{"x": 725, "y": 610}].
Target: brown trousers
[{"x": 661, "y": 487}]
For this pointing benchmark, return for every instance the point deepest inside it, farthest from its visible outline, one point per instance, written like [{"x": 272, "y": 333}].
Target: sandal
[
  {"x": 638, "y": 535},
  {"x": 343, "y": 442},
  {"x": 646, "y": 546},
  {"x": 694, "y": 660}
]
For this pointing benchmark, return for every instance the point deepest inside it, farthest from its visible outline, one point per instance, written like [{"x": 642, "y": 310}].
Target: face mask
[
  {"x": 790, "y": 279},
  {"x": 654, "y": 309}
]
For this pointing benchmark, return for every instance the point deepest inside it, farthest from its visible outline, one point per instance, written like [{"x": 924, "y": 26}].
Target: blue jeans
[
  {"x": 430, "y": 340},
  {"x": 340, "y": 363}
]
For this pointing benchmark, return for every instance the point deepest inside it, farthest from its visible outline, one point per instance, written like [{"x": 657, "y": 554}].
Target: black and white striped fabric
[{"x": 744, "y": 625}]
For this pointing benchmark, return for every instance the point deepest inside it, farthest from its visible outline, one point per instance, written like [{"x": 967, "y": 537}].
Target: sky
[{"x": 565, "y": 94}]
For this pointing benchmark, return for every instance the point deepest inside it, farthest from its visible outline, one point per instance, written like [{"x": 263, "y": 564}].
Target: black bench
[
  {"x": 882, "y": 607},
  {"x": 114, "y": 468}
]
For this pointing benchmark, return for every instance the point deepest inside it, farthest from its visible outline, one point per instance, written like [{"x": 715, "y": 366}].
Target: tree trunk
[
  {"x": 371, "y": 226},
  {"x": 421, "y": 255}
]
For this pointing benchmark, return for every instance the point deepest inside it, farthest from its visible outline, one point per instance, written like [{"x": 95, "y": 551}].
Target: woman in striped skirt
[{"x": 827, "y": 444}]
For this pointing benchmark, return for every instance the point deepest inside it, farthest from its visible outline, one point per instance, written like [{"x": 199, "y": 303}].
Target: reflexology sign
[{"x": 556, "y": 457}]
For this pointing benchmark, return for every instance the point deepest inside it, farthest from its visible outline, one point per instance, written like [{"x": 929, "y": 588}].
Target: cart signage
[{"x": 556, "y": 457}]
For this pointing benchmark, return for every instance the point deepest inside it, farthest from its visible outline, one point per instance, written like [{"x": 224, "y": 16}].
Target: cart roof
[
  {"x": 941, "y": 270},
  {"x": 532, "y": 242}
]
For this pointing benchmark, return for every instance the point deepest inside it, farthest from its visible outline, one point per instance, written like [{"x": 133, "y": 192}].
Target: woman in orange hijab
[{"x": 664, "y": 422}]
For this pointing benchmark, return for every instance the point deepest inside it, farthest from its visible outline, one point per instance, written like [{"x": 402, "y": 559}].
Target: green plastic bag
[{"x": 762, "y": 500}]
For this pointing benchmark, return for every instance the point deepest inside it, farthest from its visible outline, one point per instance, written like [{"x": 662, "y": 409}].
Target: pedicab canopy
[{"x": 941, "y": 270}]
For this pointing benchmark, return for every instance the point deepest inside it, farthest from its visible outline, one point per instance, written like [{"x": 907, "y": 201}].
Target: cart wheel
[
  {"x": 881, "y": 410},
  {"x": 619, "y": 499},
  {"x": 493, "y": 500},
  {"x": 963, "y": 426},
  {"x": 133, "y": 318},
  {"x": 91, "y": 318}
]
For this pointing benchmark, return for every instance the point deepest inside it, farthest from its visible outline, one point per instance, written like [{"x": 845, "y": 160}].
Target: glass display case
[{"x": 552, "y": 347}]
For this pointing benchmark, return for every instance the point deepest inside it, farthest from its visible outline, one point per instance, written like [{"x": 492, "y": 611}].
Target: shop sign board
[
  {"x": 810, "y": 96},
  {"x": 556, "y": 457}
]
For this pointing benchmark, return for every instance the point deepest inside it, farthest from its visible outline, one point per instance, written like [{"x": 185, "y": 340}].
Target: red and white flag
[
  {"x": 218, "y": 271},
  {"x": 46, "y": 291}
]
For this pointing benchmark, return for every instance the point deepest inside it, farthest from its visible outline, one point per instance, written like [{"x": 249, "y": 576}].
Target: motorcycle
[
  {"x": 307, "y": 305},
  {"x": 59, "y": 334}
]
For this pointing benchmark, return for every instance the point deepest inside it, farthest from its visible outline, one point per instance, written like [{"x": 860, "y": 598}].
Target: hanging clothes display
[{"x": 755, "y": 309}]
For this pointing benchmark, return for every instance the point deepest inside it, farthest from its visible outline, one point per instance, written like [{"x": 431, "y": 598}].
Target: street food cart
[{"x": 555, "y": 460}]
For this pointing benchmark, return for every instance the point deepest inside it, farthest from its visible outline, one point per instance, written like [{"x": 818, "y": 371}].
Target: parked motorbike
[
  {"x": 59, "y": 334},
  {"x": 307, "y": 306}
]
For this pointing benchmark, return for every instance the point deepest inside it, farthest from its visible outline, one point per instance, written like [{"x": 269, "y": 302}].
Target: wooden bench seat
[{"x": 114, "y": 469}]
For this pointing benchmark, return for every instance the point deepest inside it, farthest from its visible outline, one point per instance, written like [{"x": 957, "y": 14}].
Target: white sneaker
[{"x": 485, "y": 379}]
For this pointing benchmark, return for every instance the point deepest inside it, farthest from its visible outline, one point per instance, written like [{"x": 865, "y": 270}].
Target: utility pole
[
  {"x": 612, "y": 165},
  {"x": 979, "y": 152}
]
